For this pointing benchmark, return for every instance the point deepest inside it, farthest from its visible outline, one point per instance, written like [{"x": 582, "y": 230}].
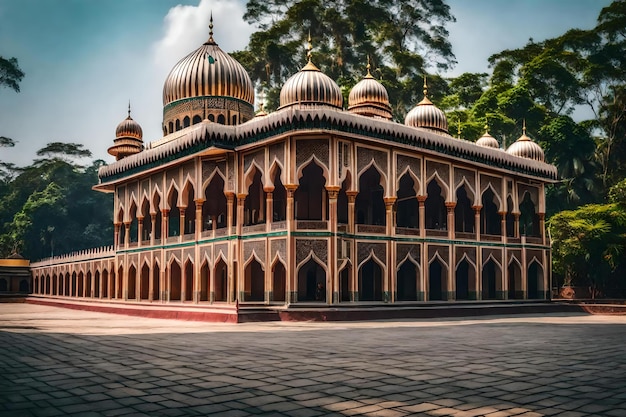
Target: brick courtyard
[{"x": 64, "y": 362}]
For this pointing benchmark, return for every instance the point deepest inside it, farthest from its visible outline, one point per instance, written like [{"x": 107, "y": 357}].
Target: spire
[
  {"x": 211, "y": 41},
  {"x": 129, "y": 109},
  {"x": 458, "y": 130},
  {"x": 309, "y": 48},
  {"x": 425, "y": 87},
  {"x": 368, "y": 67}
]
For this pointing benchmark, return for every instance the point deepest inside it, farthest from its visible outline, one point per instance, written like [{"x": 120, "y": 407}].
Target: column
[
  {"x": 542, "y": 227},
  {"x": 165, "y": 230},
  {"x": 152, "y": 237},
  {"x": 503, "y": 225},
  {"x": 477, "y": 221},
  {"x": 127, "y": 235},
  {"x": 198, "y": 232},
  {"x": 269, "y": 207},
  {"x": 139, "y": 230},
  {"x": 450, "y": 208},
  {"x": 388, "y": 287},
  {"x": 116, "y": 234},
  {"x": 421, "y": 200},
  {"x": 351, "y": 206},
  {"x": 230, "y": 204},
  {"x": 516, "y": 225},
  {"x": 333, "y": 289}
]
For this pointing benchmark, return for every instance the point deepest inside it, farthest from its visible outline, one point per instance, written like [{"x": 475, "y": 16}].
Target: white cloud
[{"x": 187, "y": 27}]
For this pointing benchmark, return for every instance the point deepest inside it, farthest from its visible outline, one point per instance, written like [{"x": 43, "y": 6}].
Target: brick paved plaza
[{"x": 64, "y": 362}]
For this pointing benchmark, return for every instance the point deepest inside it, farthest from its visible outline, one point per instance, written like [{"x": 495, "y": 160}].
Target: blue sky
[{"x": 85, "y": 59}]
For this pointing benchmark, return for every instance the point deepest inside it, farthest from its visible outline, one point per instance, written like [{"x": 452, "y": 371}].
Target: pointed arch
[
  {"x": 437, "y": 278},
  {"x": 220, "y": 279},
  {"x": 254, "y": 204},
  {"x": 144, "y": 280},
  {"x": 490, "y": 218},
  {"x": 496, "y": 195},
  {"x": 491, "y": 279},
  {"x": 371, "y": 278},
  {"x": 174, "y": 276},
  {"x": 254, "y": 280},
  {"x": 369, "y": 204},
  {"x": 435, "y": 212},
  {"x": 515, "y": 284},
  {"x": 468, "y": 187},
  {"x": 408, "y": 285},
  {"x": 315, "y": 161},
  {"x": 275, "y": 167},
  {"x": 188, "y": 278},
  {"x": 310, "y": 200},
  {"x": 534, "y": 278},
  {"x": 445, "y": 190},
  {"x": 312, "y": 275},
  {"x": 407, "y": 205},
  {"x": 416, "y": 181},
  {"x": 465, "y": 279},
  {"x": 204, "y": 280}
]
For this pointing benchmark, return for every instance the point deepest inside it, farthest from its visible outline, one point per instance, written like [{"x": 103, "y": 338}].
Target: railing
[
  {"x": 312, "y": 224},
  {"x": 407, "y": 231},
  {"x": 83, "y": 255},
  {"x": 370, "y": 228},
  {"x": 254, "y": 228},
  {"x": 279, "y": 225}
]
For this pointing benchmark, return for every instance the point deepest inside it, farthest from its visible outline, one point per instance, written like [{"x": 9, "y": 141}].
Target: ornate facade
[{"x": 311, "y": 204}]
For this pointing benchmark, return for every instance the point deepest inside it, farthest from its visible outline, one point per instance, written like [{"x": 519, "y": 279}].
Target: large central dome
[{"x": 207, "y": 84}]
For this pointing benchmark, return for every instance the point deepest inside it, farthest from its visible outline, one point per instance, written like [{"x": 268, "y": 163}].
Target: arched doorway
[
  {"x": 490, "y": 281},
  {"x": 132, "y": 283},
  {"x": 491, "y": 223},
  {"x": 175, "y": 281},
  {"x": 462, "y": 280},
  {"x": 144, "y": 283},
  {"x": 437, "y": 282},
  {"x": 221, "y": 280},
  {"x": 188, "y": 280},
  {"x": 515, "y": 290},
  {"x": 407, "y": 281},
  {"x": 254, "y": 204},
  {"x": 311, "y": 282},
  {"x": 463, "y": 212},
  {"x": 204, "y": 281},
  {"x": 173, "y": 218},
  {"x": 254, "y": 282},
  {"x": 535, "y": 281},
  {"x": 371, "y": 282},
  {"x": 215, "y": 206},
  {"x": 279, "y": 282},
  {"x": 156, "y": 280},
  {"x": 344, "y": 284}
]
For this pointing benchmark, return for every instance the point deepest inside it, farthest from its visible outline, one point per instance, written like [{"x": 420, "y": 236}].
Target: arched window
[
  {"x": 190, "y": 210},
  {"x": 173, "y": 222},
  {"x": 254, "y": 204},
  {"x": 490, "y": 220},
  {"x": 435, "y": 207},
  {"x": 186, "y": 121},
  {"x": 342, "y": 201},
  {"x": 188, "y": 280},
  {"x": 214, "y": 207},
  {"x": 204, "y": 282},
  {"x": 310, "y": 196},
  {"x": 535, "y": 281},
  {"x": 178, "y": 125},
  {"x": 211, "y": 117},
  {"x": 369, "y": 204},
  {"x": 344, "y": 284},
  {"x": 170, "y": 127},
  {"x": 407, "y": 206},
  {"x": 156, "y": 201},
  {"x": 529, "y": 220},
  {"x": 516, "y": 291},
  {"x": 132, "y": 283},
  {"x": 279, "y": 198},
  {"x": 510, "y": 218},
  {"x": 134, "y": 229},
  {"x": 221, "y": 119},
  {"x": 311, "y": 282},
  {"x": 144, "y": 282},
  {"x": 146, "y": 227},
  {"x": 463, "y": 212},
  {"x": 196, "y": 119},
  {"x": 156, "y": 280}
]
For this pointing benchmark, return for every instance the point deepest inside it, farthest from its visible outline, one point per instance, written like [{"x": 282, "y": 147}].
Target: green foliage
[
  {"x": 10, "y": 74},
  {"x": 49, "y": 207},
  {"x": 589, "y": 244},
  {"x": 400, "y": 38}
]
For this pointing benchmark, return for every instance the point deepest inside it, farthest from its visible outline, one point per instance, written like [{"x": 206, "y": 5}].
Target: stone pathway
[{"x": 57, "y": 362}]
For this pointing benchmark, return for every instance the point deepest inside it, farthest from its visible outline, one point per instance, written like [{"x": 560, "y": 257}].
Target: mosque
[{"x": 315, "y": 204}]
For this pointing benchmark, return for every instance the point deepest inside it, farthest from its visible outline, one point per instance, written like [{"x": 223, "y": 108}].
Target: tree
[
  {"x": 400, "y": 38},
  {"x": 10, "y": 74}
]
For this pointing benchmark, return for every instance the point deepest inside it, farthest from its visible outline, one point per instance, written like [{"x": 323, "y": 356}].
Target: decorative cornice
[{"x": 205, "y": 135}]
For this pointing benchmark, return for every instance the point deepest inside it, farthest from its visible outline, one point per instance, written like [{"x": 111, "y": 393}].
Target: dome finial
[
  {"x": 369, "y": 66},
  {"x": 309, "y": 47},
  {"x": 458, "y": 129},
  {"x": 425, "y": 87},
  {"x": 524, "y": 127},
  {"x": 211, "y": 41},
  {"x": 129, "y": 109}
]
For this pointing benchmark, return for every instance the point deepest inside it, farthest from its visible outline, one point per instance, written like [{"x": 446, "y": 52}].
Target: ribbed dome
[
  {"x": 208, "y": 71},
  {"x": 488, "y": 141},
  {"x": 526, "y": 148},
  {"x": 310, "y": 87},
  {"x": 369, "y": 98},
  {"x": 128, "y": 138},
  {"x": 129, "y": 128},
  {"x": 427, "y": 115},
  {"x": 207, "y": 84}
]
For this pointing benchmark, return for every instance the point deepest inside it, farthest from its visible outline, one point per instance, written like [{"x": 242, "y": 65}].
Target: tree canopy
[
  {"x": 10, "y": 74},
  {"x": 400, "y": 38}
]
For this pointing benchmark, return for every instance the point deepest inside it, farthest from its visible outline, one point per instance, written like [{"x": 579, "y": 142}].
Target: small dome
[
  {"x": 128, "y": 138},
  {"x": 488, "y": 141},
  {"x": 310, "y": 87},
  {"x": 526, "y": 148},
  {"x": 369, "y": 98},
  {"x": 427, "y": 115}
]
